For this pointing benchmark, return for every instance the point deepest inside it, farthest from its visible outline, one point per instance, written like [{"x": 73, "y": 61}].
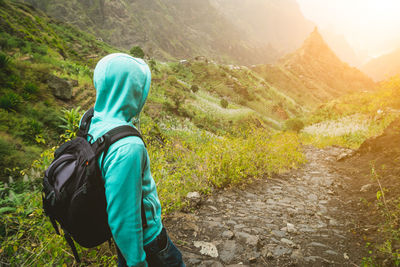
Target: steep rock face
[
  {"x": 314, "y": 74},
  {"x": 176, "y": 29},
  {"x": 384, "y": 66},
  {"x": 279, "y": 23},
  {"x": 169, "y": 29}
]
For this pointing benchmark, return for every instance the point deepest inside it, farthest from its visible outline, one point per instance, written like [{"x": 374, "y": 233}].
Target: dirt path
[{"x": 302, "y": 218}]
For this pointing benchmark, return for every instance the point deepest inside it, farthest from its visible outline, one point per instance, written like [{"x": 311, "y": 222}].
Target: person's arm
[{"x": 123, "y": 186}]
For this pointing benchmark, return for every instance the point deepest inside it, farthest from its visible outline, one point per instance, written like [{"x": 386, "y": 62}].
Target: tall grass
[
  {"x": 196, "y": 161},
  {"x": 350, "y": 120}
]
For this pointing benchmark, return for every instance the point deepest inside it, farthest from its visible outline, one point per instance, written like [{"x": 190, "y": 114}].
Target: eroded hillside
[
  {"x": 314, "y": 74},
  {"x": 182, "y": 29}
]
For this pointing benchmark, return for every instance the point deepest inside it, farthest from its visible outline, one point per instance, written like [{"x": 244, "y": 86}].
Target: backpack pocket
[{"x": 87, "y": 216}]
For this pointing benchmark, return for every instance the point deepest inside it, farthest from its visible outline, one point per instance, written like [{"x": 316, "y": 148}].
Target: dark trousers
[{"x": 161, "y": 252}]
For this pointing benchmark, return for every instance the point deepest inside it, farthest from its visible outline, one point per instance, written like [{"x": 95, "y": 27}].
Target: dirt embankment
[
  {"x": 375, "y": 166},
  {"x": 380, "y": 154}
]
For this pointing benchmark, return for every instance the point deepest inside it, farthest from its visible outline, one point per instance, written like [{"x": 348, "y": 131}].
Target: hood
[{"x": 122, "y": 84}]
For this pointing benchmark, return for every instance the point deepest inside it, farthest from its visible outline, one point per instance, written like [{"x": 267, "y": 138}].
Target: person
[{"x": 122, "y": 84}]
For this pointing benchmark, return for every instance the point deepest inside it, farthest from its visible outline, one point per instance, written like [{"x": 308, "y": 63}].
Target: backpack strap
[
  {"x": 104, "y": 142},
  {"x": 85, "y": 123},
  {"x": 71, "y": 244}
]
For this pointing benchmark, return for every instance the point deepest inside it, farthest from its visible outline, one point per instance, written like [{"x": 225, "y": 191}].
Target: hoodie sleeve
[{"x": 123, "y": 169}]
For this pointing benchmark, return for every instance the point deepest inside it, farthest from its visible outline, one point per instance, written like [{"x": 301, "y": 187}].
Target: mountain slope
[
  {"x": 384, "y": 66},
  {"x": 181, "y": 29},
  {"x": 279, "y": 23},
  {"x": 342, "y": 48},
  {"x": 37, "y": 50},
  {"x": 43, "y": 64},
  {"x": 314, "y": 74}
]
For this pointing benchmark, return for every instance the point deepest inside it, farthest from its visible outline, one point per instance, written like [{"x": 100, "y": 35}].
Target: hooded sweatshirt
[{"x": 122, "y": 84}]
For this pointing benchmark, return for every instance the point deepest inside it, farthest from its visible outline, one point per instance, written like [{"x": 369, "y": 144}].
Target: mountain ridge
[
  {"x": 182, "y": 29},
  {"x": 383, "y": 67},
  {"x": 314, "y": 74}
]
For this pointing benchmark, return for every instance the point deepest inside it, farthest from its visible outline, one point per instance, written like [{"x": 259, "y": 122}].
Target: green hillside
[
  {"x": 41, "y": 56},
  {"x": 227, "y": 31},
  {"x": 36, "y": 54}
]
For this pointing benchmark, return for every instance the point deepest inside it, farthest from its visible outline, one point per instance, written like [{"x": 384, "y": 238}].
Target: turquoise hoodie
[{"x": 122, "y": 84}]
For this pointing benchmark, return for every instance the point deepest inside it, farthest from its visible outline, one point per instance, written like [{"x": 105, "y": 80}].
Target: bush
[
  {"x": 4, "y": 60},
  {"x": 10, "y": 101},
  {"x": 294, "y": 124},
  {"x": 153, "y": 65},
  {"x": 28, "y": 128},
  {"x": 137, "y": 51},
  {"x": 194, "y": 88},
  {"x": 31, "y": 88},
  {"x": 40, "y": 49},
  {"x": 171, "y": 80},
  {"x": 71, "y": 120},
  {"x": 177, "y": 96},
  {"x": 224, "y": 103}
]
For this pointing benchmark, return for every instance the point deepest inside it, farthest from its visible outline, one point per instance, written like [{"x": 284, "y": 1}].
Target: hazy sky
[{"x": 370, "y": 26}]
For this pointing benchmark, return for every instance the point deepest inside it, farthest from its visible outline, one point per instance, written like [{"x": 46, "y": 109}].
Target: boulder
[{"x": 61, "y": 88}]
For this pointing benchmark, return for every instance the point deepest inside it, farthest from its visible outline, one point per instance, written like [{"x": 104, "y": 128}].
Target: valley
[{"x": 267, "y": 149}]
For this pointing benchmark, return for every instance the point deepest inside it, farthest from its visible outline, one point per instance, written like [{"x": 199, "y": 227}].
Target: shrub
[
  {"x": 6, "y": 149},
  {"x": 137, "y": 51},
  {"x": 177, "y": 96},
  {"x": 28, "y": 128},
  {"x": 153, "y": 65},
  {"x": 71, "y": 120},
  {"x": 10, "y": 101},
  {"x": 294, "y": 124},
  {"x": 31, "y": 88},
  {"x": 4, "y": 60},
  {"x": 40, "y": 49},
  {"x": 224, "y": 103},
  {"x": 171, "y": 80},
  {"x": 194, "y": 88}
]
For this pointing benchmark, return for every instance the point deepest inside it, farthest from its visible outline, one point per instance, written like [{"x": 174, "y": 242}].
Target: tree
[
  {"x": 294, "y": 124},
  {"x": 137, "y": 51},
  {"x": 194, "y": 88},
  {"x": 224, "y": 103}
]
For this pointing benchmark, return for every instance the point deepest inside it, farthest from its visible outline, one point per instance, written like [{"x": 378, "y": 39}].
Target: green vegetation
[
  {"x": 182, "y": 161},
  {"x": 224, "y": 103},
  {"x": 294, "y": 124},
  {"x": 350, "y": 120},
  {"x": 196, "y": 142},
  {"x": 387, "y": 207},
  {"x": 137, "y": 51},
  {"x": 33, "y": 47}
]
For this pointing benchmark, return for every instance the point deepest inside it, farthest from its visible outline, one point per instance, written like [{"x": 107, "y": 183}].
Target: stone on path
[
  {"x": 206, "y": 248},
  {"x": 228, "y": 251},
  {"x": 228, "y": 234},
  {"x": 193, "y": 195},
  {"x": 366, "y": 188},
  {"x": 250, "y": 240}
]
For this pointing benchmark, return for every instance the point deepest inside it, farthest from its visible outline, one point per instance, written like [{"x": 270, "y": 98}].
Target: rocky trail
[{"x": 306, "y": 217}]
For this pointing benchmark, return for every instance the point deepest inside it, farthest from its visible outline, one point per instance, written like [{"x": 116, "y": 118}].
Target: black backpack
[{"x": 73, "y": 188}]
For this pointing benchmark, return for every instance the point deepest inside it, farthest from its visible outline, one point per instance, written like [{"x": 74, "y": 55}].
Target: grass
[
  {"x": 350, "y": 120},
  {"x": 384, "y": 251},
  {"x": 181, "y": 163},
  {"x": 34, "y": 46}
]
